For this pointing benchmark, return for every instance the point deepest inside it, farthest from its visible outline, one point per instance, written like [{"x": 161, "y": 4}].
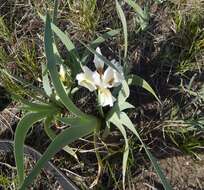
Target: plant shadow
[{"x": 4, "y": 98}]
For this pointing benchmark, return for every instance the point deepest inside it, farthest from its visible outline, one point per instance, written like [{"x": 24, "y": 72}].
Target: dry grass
[{"x": 168, "y": 54}]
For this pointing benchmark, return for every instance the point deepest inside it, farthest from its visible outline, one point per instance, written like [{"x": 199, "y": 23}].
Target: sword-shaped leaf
[
  {"x": 22, "y": 128},
  {"x": 51, "y": 134},
  {"x": 116, "y": 121},
  {"x": 124, "y": 24},
  {"x": 66, "y": 137},
  {"x": 45, "y": 80},
  {"x": 105, "y": 60},
  {"x": 52, "y": 68},
  {"x": 138, "y": 81},
  {"x": 64, "y": 38},
  {"x": 97, "y": 42},
  {"x": 125, "y": 120}
]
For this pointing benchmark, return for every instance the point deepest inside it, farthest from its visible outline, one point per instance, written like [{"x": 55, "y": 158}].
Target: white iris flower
[{"x": 100, "y": 80}]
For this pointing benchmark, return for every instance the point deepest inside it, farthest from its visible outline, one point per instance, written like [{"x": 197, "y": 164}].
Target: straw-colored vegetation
[{"x": 160, "y": 46}]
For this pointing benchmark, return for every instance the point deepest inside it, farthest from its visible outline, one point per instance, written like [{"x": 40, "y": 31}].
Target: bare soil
[
  {"x": 148, "y": 60},
  {"x": 183, "y": 172}
]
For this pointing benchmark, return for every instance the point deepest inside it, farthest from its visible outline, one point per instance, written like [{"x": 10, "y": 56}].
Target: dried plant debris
[{"x": 165, "y": 47}]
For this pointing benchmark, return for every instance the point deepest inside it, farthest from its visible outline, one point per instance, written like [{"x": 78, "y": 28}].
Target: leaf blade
[
  {"x": 124, "y": 24},
  {"x": 54, "y": 72},
  {"x": 97, "y": 42},
  {"x": 22, "y": 128},
  {"x": 116, "y": 121},
  {"x": 51, "y": 134},
  {"x": 105, "y": 60},
  {"x": 128, "y": 123},
  {"x": 67, "y": 136},
  {"x": 143, "y": 16},
  {"x": 138, "y": 81},
  {"x": 46, "y": 82}
]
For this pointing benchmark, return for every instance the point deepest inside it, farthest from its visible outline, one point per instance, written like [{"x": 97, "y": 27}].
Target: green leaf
[
  {"x": 47, "y": 123},
  {"x": 118, "y": 107},
  {"x": 104, "y": 37},
  {"x": 142, "y": 14},
  {"x": 125, "y": 105},
  {"x": 121, "y": 103},
  {"x": 124, "y": 92},
  {"x": 124, "y": 23},
  {"x": 54, "y": 18},
  {"x": 106, "y": 61},
  {"x": 46, "y": 82},
  {"x": 75, "y": 121},
  {"x": 24, "y": 83},
  {"x": 40, "y": 107},
  {"x": 22, "y": 128},
  {"x": 138, "y": 81},
  {"x": 51, "y": 134},
  {"x": 52, "y": 68},
  {"x": 58, "y": 57},
  {"x": 68, "y": 136},
  {"x": 136, "y": 7},
  {"x": 125, "y": 120},
  {"x": 116, "y": 121},
  {"x": 74, "y": 57},
  {"x": 97, "y": 42}
]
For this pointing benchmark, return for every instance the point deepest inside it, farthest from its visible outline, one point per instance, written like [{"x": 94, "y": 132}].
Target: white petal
[
  {"x": 113, "y": 78},
  {"x": 118, "y": 76},
  {"x": 108, "y": 77},
  {"x": 105, "y": 97},
  {"x": 97, "y": 79},
  {"x": 86, "y": 79},
  {"x": 87, "y": 71},
  {"x": 99, "y": 64}
]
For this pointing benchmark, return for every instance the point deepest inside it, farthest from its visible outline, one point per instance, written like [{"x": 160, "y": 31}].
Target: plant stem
[{"x": 100, "y": 109}]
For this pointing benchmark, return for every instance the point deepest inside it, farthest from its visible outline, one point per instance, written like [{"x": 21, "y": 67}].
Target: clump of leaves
[
  {"x": 84, "y": 15},
  {"x": 18, "y": 65},
  {"x": 4, "y": 31},
  {"x": 142, "y": 16},
  {"x": 189, "y": 28},
  {"x": 56, "y": 105}
]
